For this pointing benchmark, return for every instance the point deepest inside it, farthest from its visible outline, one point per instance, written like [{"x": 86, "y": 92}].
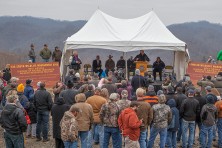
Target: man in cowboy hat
[{"x": 110, "y": 65}]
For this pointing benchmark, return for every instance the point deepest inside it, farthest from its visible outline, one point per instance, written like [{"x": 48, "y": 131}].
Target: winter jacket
[
  {"x": 109, "y": 114},
  {"x": 42, "y": 100},
  {"x": 13, "y": 119},
  {"x": 110, "y": 87},
  {"x": 179, "y": 98},
  {"x": 31, "y": 110},
  {"x": 219, "y": 108},
  {"x": 85, "y": 117},
  {"x": 29, "y": 92},
  {"x": 57, "y": 55},
  {"x": 121, "y": 64},
  {"x": 218, "y": 82},
  {"x": 7, "y": 74},
  {"x": 123, "y": 104},
  {"x": 202, "y": 102},
  {"x": 170, "y": 95},
  {"x": 45, "y": 53},
  {"x": 129, "y": 90},
  {"x": 32, "y": 53},
  {"x": 96, "y": 102},
  {"x": 219, "y": 55},
  {"x": 151, "y": 98},
  {"x": 162, "y": 115},
  {"x": 69, "y": 127},
  {"x": 174, "y": 124},
  {"x": 189, "y": 110},
  {"x": 89, "y": 94},
  {"x": 203, "y": 84},
  {"x": 57, "y": 112},
  {"x": 208, "y": 114},
  {"x": 56, "y": 91},
  {"x": 69, "y": 96},
  {"x": 137, "y": 81},
  {"x": 129, "y": 124},
  {"x": 110, "y": 64},
  {"x": 23, "y": 100},
  {"x": 158, "y": 65},
  {"x": 144, "y": 112}
]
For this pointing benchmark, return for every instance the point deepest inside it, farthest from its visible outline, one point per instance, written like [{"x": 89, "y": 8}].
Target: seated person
[
  {"x": 110, "y": 65},
  {"x": 158, "y": 66},
  {"x": 97, "y": 64},
  {"x": 121, "y": 65},
  {"x": 75, "y": 61}
]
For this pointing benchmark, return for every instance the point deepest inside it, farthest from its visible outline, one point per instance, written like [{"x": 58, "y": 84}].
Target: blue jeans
[
  {"x": 153, "y": 134},
  {"x": 143, "y": 139},
  {"x": 185, "y": 126},
  {"x": 179, "y": 133},
  {"x": 171, "y": 139},
  {"x": 116, "y": 137},
  {"x": 96, "y": 134},
  {"x": 219, "y": 128},
  {"x": 45, "y": 60},
  {"x": 42, "y": 124},
  {"x": 14, "y": 141},
  {"x": 206, "y": 133},
  {"x": 68, "y": 144},
  {"x": 84, "y": 138}
]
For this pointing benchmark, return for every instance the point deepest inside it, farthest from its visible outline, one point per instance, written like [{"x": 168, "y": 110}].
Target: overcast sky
[{"x": 169, "y": 11}]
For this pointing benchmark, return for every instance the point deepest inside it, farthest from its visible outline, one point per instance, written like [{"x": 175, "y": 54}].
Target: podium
[{"x": 142, "y": 66}]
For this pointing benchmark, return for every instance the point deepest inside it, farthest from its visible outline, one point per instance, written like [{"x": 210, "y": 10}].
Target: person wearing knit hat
[
  {"x": 161, "y": 119},
  {"x": 209, "y": 116},
  {"x": 20, "y": 88},
  {"x": 22, "y": 98},
  {"x": 124, "y": 102},
  {"x": 159, "y": 92}
]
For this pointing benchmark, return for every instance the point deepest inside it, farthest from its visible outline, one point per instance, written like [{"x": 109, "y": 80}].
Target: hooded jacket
[
  {"x": 69, "y": 127},
  {"x": 29, "y": 92},
  {"x": 174, "y": 124},
  {"x": 151, "y": 98},
  {"x": 13, "y": 119},
  {"x": 129, "y": 124},
  {"x": 57, "y": 112},
  {"x": 208, "y": 114},
  {"x": 85, "y": 117},
  {"x": 23, "y": 100}
]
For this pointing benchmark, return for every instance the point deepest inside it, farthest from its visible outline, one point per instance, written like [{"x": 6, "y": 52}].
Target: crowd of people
[{"x": 88, "y": 111}]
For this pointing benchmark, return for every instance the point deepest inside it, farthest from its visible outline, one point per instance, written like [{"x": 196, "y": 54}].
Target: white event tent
[{"x": 146, "y": 32}]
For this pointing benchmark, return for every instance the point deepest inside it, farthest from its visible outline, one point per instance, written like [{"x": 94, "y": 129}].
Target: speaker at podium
[{"x": 142, "y": 66}]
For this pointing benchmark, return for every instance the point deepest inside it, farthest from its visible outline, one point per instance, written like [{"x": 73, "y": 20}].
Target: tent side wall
[{"x": 179, "y": 64}]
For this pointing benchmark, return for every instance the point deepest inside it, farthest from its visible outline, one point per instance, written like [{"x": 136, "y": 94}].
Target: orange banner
[
  {"x": 197, "y": 70},
  {"x": 45, "y": 72}
]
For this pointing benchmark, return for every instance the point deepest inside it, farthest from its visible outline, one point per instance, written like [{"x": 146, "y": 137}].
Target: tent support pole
[
  {"x": 125, "y": 57},
  {"x": 174, "y": 60}
]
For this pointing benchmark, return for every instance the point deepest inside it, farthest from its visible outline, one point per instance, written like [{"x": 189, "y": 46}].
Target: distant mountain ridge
[{"x": 17, "y": 33}]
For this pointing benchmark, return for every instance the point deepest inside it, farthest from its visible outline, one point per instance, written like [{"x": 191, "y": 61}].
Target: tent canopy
[{"x": 106, "y": 32}]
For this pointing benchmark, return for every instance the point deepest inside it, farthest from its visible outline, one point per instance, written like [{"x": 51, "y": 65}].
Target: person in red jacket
[{"x": 130, "y": 125}]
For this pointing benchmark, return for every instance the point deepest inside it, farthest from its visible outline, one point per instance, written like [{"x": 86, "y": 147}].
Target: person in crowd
[
  {"x": 43, "y": 104},
  {"x": 97, "y": 131},
  {"x": 113, "y": 76},
  {"x": 57, "y": 112},
  {"x": 14, "y": 123},
  {"x": 109, "y": 65},
  {"x": 210, "y": 60},
  {"x": 29, "y": 91},
  {"x": 162, "y": 117},
  {"x": 90, "y": 92},
  {"x": 109, "y": 118},
  {"x": 129, "y": 125},
  {"x": 137, "y": 81},
  {"x": 159, "y": 92},
  {"x": 148, "y": 79},
  {"x": 31, "y": 54},
  {"x": 7, "y": 73},
  {"x": 209, "y": 91},
  {"x": 182, "y": 82},
  {"x": 97, "y": 66},
  {"x": 150, "y": 97},
  {"x": 75, "y": 62},
  {"x": 57, "y": 89},
  {"x": 141, "y": 57},
  {"x": 125, "y": 86},
  {"x": 31, "y": 111},
  {"x": 166, "y": 83},
  {"x": 170, "y": 93},
  {"x": 146, "y": 113},
  {"x": 187, "y": 86},
  {"x": 45, "y": 53},
  {"x": 14, "y": 92},
  {"x": 110, "y": 86},
  {"x": 22, "y": 98},
  {"x": 57, "y": 55},
  {"x": 218, "y": 82},
  {"x": 203, "y": 83},
  {"x": 173, "y": 127},
  {"x": 179, "y": 98},
  {"x": 219, "y": 57},
  {"x": 189, "y": 110},
  {"x": 94, "y": 81},
  {"x": 158, "y": 66},
  {"x": 124, "y": 102},
  {"x": 218, "y": 104},
  {"x": 104, "y": 93},
  {"x": 131, "y": 65},
  {"x": 69, "y": 128},
  {"x": 84, "y": 118},
  {"x": 208, "y": 117},
  {"x": 69, "y": 94},
  {"x": 70, "y": 77}
]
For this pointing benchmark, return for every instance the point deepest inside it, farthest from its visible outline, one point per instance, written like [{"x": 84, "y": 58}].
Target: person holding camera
[{"x": 75, "y": 62}]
